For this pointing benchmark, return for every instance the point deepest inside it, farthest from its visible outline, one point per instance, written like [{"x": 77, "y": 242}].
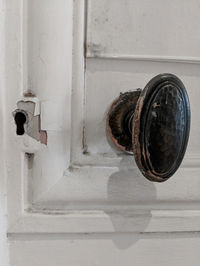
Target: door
[{"x": 72, "y": 198}]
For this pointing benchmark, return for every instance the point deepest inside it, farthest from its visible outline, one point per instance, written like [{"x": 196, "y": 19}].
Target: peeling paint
[
  {"x": 32, "y": 124},
  {"x": 43, "y": 137}
]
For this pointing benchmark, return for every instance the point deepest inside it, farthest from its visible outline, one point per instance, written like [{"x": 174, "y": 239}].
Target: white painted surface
[
  {"x": 143, "y": 28},
  {"x": 77, "y": 201},
  {"x": 4, "y": 257},
  {"x": 98, "y": 250}
]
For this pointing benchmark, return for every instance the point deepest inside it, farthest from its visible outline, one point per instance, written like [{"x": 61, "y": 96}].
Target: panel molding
[
  {"x": 103, "y": 160},
  {"x": 159, "y": 58},
  {"x": 99, "y": 222}
]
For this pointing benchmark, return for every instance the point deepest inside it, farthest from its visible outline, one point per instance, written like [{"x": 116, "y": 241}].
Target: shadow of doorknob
[{"x": 152, "y": 124}]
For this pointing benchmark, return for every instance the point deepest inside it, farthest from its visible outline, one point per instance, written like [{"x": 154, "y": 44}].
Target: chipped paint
[{"x": 31, "y": 109}]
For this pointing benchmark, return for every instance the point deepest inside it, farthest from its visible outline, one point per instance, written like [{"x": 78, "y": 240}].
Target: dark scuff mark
[
  {"x": 84, "y": 145},
  {"x": 95, "y": 50},
  {"x": 30, "y": 157}
]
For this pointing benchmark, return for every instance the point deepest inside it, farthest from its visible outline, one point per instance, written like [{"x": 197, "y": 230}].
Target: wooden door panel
[
  {"x": 77, "y": 182},
  {"x": 143, "y": 29}
]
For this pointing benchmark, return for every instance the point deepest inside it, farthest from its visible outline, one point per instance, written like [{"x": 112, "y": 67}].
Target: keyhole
[{"x": 20, "y": 120}]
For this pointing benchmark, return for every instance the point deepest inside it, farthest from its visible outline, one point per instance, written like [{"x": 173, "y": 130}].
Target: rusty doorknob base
[
  {"x": 120, "y": 120},
  {"x": 152, "y": 124}
]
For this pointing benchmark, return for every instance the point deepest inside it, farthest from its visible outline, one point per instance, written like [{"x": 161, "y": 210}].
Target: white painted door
[{"x": 75, "y": 200}]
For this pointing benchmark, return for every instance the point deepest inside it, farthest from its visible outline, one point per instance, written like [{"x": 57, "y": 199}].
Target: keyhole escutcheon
[{"x": 20, "y": 119}]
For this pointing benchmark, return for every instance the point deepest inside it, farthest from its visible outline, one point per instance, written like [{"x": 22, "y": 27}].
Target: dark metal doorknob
[{"x": 154, "y": 125}]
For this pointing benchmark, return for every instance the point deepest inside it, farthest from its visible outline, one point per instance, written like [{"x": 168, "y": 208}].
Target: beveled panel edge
[
  {"x": 100, "y": 222},
  {"x": 153, "y": 58},
  {"x": 100, "y": 160}
]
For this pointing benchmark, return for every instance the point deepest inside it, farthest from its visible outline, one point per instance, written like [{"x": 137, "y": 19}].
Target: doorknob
[{"x": 153, "y": 124}]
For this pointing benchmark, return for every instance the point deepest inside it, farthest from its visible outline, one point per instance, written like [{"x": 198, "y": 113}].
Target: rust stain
[
  {"x": 29, "y": 94},
  {"x": 119, "y": 109}
]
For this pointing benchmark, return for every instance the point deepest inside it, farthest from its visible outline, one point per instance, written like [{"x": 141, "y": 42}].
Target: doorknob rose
[{"x": 153, "y": 124}]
